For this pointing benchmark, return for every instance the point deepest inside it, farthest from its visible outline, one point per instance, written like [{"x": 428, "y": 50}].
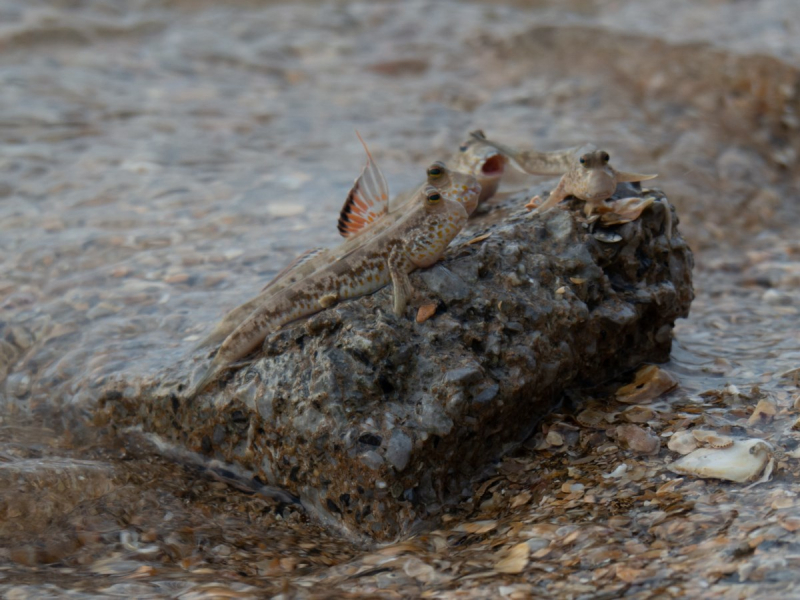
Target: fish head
[
  {"x": 594, "y": 177},
  {"x": 484, "y": 162},
  {"x": 427, "y": 236},
  {"x": 455, "y": 185}
]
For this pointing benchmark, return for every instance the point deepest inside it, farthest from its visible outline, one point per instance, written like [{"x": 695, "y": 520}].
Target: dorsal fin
[
  {"x": 367, "y": 201},
  {"x": 300, "y": 260}
]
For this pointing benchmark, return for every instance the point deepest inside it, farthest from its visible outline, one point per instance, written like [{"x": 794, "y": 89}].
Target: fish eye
[
  {"x": 604, "y": 157},
  {"x": 584, "y": 160},
  {"x": 432, "y": 195},
  {"x": 436, "y": 170},
  {"x": 464, "y": 148}
]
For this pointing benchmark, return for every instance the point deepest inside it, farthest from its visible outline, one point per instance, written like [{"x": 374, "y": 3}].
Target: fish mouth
[{"x": 494, "y": 166}]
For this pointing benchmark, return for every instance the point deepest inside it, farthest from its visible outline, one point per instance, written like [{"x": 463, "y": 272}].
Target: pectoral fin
[
  {"x": 556, "y": 196},
  {"x": 367, "y": 201},
  {"x": 622, "y": 177},
  {"x": 401, "y": 284}
]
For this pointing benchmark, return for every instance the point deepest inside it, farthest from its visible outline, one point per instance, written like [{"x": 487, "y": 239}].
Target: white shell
[
  {"x": 742, "y": 461},
  {"x": 682, "y": 442},
  {"x": 712, "y": 438}
]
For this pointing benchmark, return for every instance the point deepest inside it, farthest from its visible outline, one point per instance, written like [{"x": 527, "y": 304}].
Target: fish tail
[
  {"x": 215, "y": 337},
  {"x": 211, "y": 374}
]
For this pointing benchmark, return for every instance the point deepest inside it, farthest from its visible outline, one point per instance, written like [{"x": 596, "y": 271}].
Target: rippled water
[{"x": 160, "y": 161}]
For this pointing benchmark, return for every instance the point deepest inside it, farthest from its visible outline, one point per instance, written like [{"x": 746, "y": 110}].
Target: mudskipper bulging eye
[
  {"x": 583, "y": 160},
  {"x": 432, "y": 196},
  {"x": 464, "y": 148},
  {"x": 604, "y": 157},
  {"x": 436, "y": 170}
]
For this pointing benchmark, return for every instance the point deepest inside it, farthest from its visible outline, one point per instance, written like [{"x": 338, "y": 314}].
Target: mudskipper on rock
[
  {"x": 587, "y": 174},
  {"x": 366, "y": 214},
  {"x": 417, "y": 239}
]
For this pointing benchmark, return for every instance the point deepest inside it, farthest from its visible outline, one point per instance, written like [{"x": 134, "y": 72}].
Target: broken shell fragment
[
  {"x": 764, "y": 412},
  {"x": 609, "y": 237},
  {"x": 742, "y": 461},
  {"x": 682, "y": 442},
  {"x": 554, "y": 438},
  {"x": 638, "y": 439},
  {"x": 649, "y": 383},
  {"x": 515, "y": 561},
  {"x": 591, "y": 418},
  {"x": 638, "y": 414},
  {"x": 425, "y": 312},
  {"x": 712, "y": 438}
]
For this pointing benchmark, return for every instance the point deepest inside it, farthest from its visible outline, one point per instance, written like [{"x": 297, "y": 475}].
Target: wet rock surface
[{"x": 377, "y": 423}]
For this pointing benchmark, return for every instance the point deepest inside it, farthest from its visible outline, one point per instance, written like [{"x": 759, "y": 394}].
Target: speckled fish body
[
  {"x": 473, "y": 158},
  {"x": 535, "y": 162},
  {"x": 416, "y": 240},
  {"x": 585, "y": 172},
  {"x": 590, "y": 178}
]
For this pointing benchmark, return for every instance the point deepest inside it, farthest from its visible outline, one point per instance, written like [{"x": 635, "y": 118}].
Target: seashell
[
  {"x": 625, "y": 210},
  {"x": 515, "y": 561},
  {"x": 742, "y": 461},
  {"x": 682, "y": 442},
  {"x": 712, "y": 438},
  {"x": 609, "y": 237},
  {"x": 638, "y": 439},
  {"x": 764, "y": 412},
  {"x": 648, "y": 384},
  {"x": 554, "y": 438},
  {"x": 591, "y": 418},
  {"x": 425, "y": 312},
  {"x": 638, "y": 414}
]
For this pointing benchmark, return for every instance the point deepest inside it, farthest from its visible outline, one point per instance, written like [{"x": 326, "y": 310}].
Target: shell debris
[
  {"x": 425, "y": 312},
  {"x": 682, "y": 442},
  {"x": 741, "y": 462},
  {"x": 649, "y": 383},
  {"x": 712, "y": 438},
  {"x": 625, "y": 210},
  {"x": 763, "y": 413},
  {"x": 515, "y": 561},
  {"x": 478, "y": 239},
  {"x": 639, "y": 414},
  {"x": 638, "y": 439}
]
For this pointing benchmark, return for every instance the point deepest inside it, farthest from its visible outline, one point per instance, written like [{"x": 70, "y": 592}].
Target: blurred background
[{"x": 161, "y": 160}]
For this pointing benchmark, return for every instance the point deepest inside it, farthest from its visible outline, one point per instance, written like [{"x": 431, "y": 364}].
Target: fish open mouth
[{"x": 494, "y": 166}]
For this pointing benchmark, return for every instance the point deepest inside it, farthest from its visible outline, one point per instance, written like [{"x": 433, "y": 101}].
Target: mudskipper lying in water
[
  {"x": 416, "y": 239},
  {"x": 587, "y": 174},
  {"x": 366, "y": 214}
]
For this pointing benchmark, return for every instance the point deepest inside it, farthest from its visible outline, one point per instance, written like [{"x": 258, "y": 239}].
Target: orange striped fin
[{"x": 367, "y": 201}]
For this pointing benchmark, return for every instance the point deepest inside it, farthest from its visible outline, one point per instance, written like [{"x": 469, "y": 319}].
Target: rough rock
[{"x": 376, "y": 423}]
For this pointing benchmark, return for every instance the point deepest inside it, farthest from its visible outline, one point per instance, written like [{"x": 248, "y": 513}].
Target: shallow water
[{"x": 161, "y": 162}]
